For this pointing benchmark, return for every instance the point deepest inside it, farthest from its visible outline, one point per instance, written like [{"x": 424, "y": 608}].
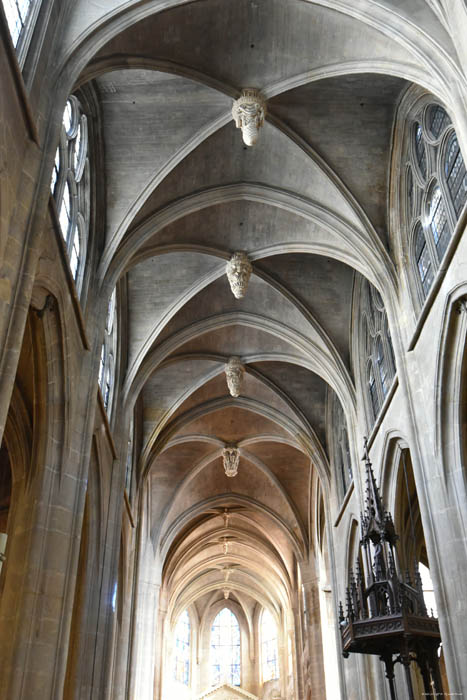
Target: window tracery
[
  {"x": 269, "y": 654},
  {"x": 70, "y": 185},
  {"x": 341, "y": 447},
  {"x": 379, "y": 356},
  {"x": 107, "y": 359},
  {"x": 436, "y": 191},
  {"x": 182, "y": 649},
  {"x": 225, "y": 649},
  {"x": 17, "y": 13}
]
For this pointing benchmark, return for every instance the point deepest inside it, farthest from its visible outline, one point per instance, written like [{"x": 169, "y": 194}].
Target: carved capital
[
  {"x": 234, "y": 371},
  {"x": 249, "y": 112},
  {"x": 238, "y": 271},
  {"x": 231, "y": 459}
]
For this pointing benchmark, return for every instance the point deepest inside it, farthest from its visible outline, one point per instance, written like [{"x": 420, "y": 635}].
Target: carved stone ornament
[
  {"x": 249, "y": 112},
  {"x": 234, "y": 371},
  {"x": 231, "y": 459},
  {"x": 238, "y": 271}
]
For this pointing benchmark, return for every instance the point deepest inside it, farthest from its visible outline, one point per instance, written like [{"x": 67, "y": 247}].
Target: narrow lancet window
[
  {"x": 182, "y": 649},
  {"x": 269, "y": 654},
  {"x": 225, "y": 649}
]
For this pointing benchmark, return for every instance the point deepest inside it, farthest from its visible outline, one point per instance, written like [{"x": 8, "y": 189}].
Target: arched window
[
  {"x": 269, "y": 655},
  {"x": 436, "y": 191},
  {"x": 129, "y": 460},
  {"x": 423, "y": 260},
  {"x": 428, "y": 590},
  {"x": 341, "y": 447},
  {"x": 225, "y": 649},
  {"x": 182, "y": 649},
  {"x": 70, "y": 186},
  {"x": 108, "y": 350},
  {"x": 377, "y": 355},
  {"x": 20, "y": 15}
]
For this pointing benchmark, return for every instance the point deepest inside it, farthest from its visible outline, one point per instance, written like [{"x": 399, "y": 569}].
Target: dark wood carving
[{"x": 385, "y": 611}]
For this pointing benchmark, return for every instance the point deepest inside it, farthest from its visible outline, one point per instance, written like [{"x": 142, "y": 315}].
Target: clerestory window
[
  {"x": 269, "y": 653},
  {"x": 17, "y": 13},
  {"x": 21, "y": 17},
  {"x": 341, "y": 447},
  {"x": 70, "y": 186},
  {"x": 436, "y": 191},
  {"x": 108, "y": 352},
  {"x": 182, "y": 649},
  {"x": 378, "y": 355},
  {"x": 225, "y": 649}
]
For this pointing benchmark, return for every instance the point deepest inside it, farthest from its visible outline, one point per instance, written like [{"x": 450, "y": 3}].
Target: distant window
[
  {"x": 129, "y": 461},
  {"x": 423, "y": 260},
  {"x": 70, "y": 186},
  {"x": 108, "y": 350},
  {"x": 436, "y": 191},
  {"x": 420, "y": 151},
  {"x": 378, "y": 356},
  {"x": 17, "y": 13},
  {"x": 456, "y": 176},
  {"x": 428, "y": 590},
  {"x": 341, "y": 447},
  {"x": 182, "y": 649},
  {"x": 269, "y": 654},
  {"x": 225, "y": 649}
]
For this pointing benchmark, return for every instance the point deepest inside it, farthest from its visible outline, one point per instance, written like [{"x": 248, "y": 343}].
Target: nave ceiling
[{"x": 308, "y": 204}]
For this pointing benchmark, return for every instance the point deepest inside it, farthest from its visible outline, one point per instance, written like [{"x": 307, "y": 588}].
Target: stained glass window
[
  {"x": 438, "y": 120},
  {"x": 422, "y": 256},
  {"x": 437, "y": 220},
  {"x": 269, "y": 655},
  {"x": 433, "y": 208},
  {"x": 182, "y": 649},
  {"x": 225, "y": 649},
  {"x": 456, "y": 175}
]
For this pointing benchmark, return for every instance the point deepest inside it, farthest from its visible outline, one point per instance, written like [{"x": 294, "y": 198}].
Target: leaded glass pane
[
  {"x": 65, "y": 211},
  {"x": 68, "y": 117},
  {"x": 346, "y": 465},
  {"x": 55, "y": 171},
  {"x": 438, "y": 120},
  {"x": 381, "y": 366},
  {"x": 456, "y": 175},
  {"x": 438, "y": 221},
  {"x": 373, "y": 393},
  {"x": 16, "y": 12},
  {"x": 420, "y": 151},
  {"x": 74, "y": 257},
  {"x": 225, "y": 649},
  {"x": 76, "y": 148},
  {"x": 422, "y": 257},
  {"x": 182, "y": 649},
  {"x": 269, "y": 655}
]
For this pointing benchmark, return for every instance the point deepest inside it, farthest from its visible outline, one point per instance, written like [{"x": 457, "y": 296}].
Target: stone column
[{"x": 313, "y": 632}]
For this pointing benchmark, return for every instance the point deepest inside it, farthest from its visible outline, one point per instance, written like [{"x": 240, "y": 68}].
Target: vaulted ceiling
[{"x": 307, "y": 203}]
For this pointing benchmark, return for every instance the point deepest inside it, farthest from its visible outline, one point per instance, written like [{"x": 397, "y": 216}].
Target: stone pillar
[{"x": 315, "y": 669}]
